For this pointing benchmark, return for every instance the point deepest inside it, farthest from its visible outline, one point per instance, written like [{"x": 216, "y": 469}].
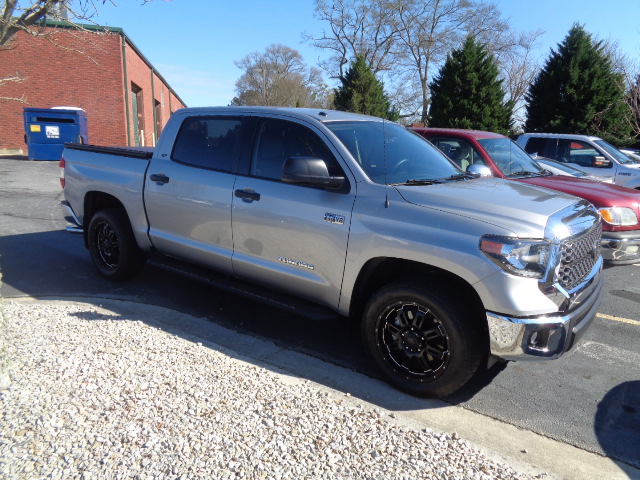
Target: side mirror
[
  {"x": 600, "y": 162},
  {"x": 480, "y": 170},
  {"x": 309, "y": 171}
]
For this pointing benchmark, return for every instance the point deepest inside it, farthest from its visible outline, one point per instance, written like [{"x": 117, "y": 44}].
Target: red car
[{"x": 475, "y": 151}]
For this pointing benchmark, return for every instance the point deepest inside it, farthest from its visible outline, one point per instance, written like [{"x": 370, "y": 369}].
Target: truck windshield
[
  {"x": 614, "y": 152},
  {"x": 510, "y": 159},
  {"x": 391, "y": 154}
]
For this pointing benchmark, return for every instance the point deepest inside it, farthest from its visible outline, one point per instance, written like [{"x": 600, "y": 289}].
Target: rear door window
[
  {"x": 208, "y": 142},
  {"x": 577, "y": 152},
  {"x": 536, "y": 146}
]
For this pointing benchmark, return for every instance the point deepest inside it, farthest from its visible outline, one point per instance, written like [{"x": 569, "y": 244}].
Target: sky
[{"x": 193, "y": 44}]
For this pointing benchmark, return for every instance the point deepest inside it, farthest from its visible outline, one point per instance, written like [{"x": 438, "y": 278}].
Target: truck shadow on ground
[
  {"x": 617, "y": 421},
  {"x": 55, "y": 264}
]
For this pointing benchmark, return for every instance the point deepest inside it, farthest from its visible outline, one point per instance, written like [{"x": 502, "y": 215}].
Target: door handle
[
  {"x": 159, "y": 177},
  {"x": 247, "y": 195}
]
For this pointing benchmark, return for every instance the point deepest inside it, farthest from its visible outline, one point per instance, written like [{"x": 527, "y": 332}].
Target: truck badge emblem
[
  {"x": 296, "y": 263},
  {"x": 334, "y": 218}
]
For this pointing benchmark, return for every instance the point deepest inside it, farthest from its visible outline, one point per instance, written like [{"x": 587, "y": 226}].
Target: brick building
[{"x": 126, "y": 100}]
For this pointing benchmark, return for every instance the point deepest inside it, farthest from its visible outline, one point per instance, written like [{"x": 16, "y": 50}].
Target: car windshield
[
  {"x": 633, "y": 156},
  {"x": 391, "y": 154},
  {"x": 510, "y": 159},
  {"x": 614, "y": 152}
]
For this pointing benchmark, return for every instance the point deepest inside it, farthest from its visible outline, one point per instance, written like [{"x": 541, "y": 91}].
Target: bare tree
[
  {"x": 518, "y": 68},
  {"x": 279, "y": 77},
  {"x": 15, "y": 78},
  {"x": 356, "y": 27},
  {"x": 29, "y": 17},
  {"x": 406, "y": 40},
  {"x": 629, "y": 72},
  {"x": 428, "y": 31},
  {"x": 634, "y": 104}
]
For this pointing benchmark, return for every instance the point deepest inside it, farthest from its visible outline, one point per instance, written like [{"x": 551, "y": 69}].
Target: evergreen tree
[
  {"x": 467, "y": 92},
  {"x": 362, "y": 92},
  {"x": 578, "y": 92}
]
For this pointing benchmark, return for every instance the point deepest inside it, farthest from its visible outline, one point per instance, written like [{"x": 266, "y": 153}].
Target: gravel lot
[{"x": 96, "y": 395}]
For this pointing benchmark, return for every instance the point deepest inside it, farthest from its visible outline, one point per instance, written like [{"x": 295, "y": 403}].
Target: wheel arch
[
  {"x": 94, "y": 202},
  {"x": 378, "y": 272}
]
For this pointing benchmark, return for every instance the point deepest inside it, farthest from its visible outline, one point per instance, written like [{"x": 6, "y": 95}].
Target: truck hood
[
  {"x": 632, "y": 165},
  {"x": 598, "y": 193},
  {"x": 522, "y": 209}
]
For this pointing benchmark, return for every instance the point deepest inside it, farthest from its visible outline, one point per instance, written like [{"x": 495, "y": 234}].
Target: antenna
[{"x": 384, "y": 156}]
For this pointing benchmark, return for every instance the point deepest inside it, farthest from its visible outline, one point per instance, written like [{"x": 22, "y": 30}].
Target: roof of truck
[
  {"x": 319, "y": 114},
  {"x": 457, "y": 131},
  {"x": 568, "y": 136}
]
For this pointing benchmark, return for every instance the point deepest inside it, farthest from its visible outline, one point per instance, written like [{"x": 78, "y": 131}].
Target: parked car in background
[
  {"x": 558, "y": 168},
  {"x": 591, "y": 154},
  {"x": 619, "y": 207},
  {"x": 632, "y": 153}
]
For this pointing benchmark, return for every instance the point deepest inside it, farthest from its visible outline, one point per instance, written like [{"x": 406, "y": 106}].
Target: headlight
[
  {"x": 527, "y": 258},
  {"x": 621, "y": 216}
]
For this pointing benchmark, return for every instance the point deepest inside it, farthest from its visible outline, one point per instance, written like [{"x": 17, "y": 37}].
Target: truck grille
[{"x": 578, "y": 256}]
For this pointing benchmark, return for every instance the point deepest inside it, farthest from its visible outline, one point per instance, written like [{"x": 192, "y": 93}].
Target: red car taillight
[{"x": 62, "y": 172}]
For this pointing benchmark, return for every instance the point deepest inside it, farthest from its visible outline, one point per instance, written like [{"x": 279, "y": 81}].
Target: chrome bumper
[
  {"x": 620, "y": 248},
  {"x": 544, "y": 337},
  {"x": 69, "y": 215}
]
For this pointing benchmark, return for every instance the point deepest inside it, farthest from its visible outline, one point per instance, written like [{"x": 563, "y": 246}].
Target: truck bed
[{"x": 135, "y": 152}]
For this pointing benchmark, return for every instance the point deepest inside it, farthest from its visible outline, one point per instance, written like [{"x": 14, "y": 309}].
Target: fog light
[{"x": 545, "y": 340}]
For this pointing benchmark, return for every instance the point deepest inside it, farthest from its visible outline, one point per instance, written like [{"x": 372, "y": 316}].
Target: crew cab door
[
  {"x": 290, "y": 237},
  {"x": 188, "y": 192},
  {"x": 581, "y": 155}
]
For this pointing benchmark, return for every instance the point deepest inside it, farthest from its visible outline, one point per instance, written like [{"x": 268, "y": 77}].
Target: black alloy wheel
[
  {"x": 113, "y": 246},
  {"x": 414, "y": 341},
  {"x": 423, "y": 341},
  {"x": 107, "y": 245}
]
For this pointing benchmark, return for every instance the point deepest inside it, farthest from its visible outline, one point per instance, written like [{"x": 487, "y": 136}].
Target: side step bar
[{"x": 257, "y": 292}]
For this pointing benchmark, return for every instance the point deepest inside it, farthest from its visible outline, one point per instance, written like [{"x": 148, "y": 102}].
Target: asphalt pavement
[{"x": 578, "y": 417}]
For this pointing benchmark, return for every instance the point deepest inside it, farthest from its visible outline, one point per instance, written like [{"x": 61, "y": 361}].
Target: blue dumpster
[{"x": 48, "y": 129}]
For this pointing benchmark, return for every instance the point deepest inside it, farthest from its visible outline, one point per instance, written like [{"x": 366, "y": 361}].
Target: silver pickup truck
[{"x": 444, "y": 273}]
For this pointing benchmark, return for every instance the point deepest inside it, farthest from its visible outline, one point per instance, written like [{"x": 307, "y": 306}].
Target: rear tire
[
  {"x": 421, "y": 340},
  {"x": 112, "y": 245}
]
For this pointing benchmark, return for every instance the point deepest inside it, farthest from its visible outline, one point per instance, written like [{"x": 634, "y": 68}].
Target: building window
[
  {"x": 158, "y": 115},
  {"x": 137, "y": 106}
]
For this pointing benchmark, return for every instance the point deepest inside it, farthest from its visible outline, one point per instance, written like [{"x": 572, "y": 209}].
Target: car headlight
[
  {"x": 620, "y": 216},
  {"x": 527, "y": 258}
]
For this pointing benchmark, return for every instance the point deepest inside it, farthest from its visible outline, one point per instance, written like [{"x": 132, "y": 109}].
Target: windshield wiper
[
  {"x": 432, "y": 181},
  {"x": 420, "y": 181},
  {"x": 461, "y": 176},
  {"x": 525, "y": 173}
]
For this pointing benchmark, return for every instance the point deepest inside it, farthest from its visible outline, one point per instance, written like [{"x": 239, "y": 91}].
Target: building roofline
[{"x": 116, "y": 30}]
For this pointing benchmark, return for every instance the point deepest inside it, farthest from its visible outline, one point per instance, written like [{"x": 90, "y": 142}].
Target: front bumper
[
  {"x": 620, "y": 248},
  {"x": 545, "y": 336}
]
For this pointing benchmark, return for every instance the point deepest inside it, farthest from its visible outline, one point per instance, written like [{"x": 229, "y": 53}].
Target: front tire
[
  {"x": 422, "y": 342},
  {"x": 112, "y": 245}
]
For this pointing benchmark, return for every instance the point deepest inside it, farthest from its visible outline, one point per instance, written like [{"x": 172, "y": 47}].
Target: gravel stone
[{"x": 93, "y": 395}]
